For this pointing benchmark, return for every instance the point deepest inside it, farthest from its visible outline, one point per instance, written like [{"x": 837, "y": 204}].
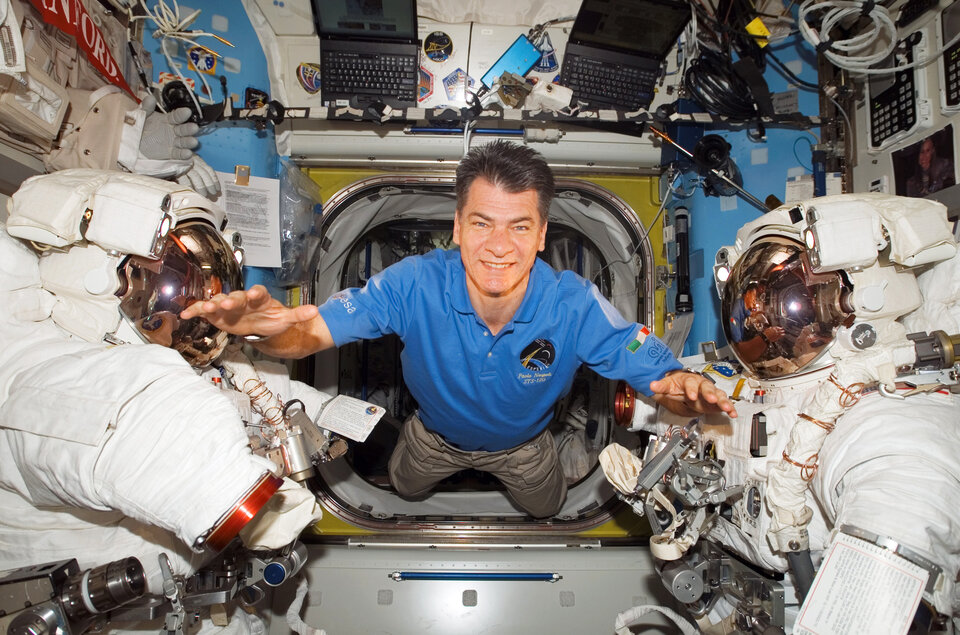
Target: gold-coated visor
[
  {"x": 196, "y": 264},
  {"x": 779, "y": 316}
]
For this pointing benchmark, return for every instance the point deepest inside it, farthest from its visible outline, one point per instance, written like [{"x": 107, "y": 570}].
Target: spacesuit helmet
[
  {"x": 779, "y": 316},
  {"x": 124, "y": 254},
  {"x": 832, "y": 269},
  {"x": 194, "y": 265}
]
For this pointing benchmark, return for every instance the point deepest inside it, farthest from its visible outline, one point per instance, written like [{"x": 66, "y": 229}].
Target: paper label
[
  {"x": 861, "y": 588},
  {"x": 254, "y": 211},
  {"x": 349, "y": 417}
]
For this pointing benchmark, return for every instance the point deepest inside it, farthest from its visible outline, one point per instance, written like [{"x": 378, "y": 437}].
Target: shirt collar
[
  {"x": 533, "y": 294},
  {"x": 456, "y": 288}
]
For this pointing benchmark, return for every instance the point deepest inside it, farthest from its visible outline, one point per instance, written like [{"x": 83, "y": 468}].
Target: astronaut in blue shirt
[{"x": 492, "y": 337}]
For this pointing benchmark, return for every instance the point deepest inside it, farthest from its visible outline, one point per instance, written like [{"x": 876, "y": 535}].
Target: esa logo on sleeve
[{"x": 344, "y": 299}]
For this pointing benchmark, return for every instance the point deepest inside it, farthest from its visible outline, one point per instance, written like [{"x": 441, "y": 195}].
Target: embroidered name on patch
[{"x": 639, "y": 339}]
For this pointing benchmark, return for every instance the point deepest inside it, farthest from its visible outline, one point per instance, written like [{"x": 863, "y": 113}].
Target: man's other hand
[
  {"x": 690, "y": 394},
  {"x": 250, "y": 312}
]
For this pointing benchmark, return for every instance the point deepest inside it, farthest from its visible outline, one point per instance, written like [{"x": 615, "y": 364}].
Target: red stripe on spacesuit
[
  {"x": 243, "y": 512},
  {"x": 72, "y": 18}
]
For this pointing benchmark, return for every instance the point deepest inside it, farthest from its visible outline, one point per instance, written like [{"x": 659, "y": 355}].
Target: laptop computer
[
  {"x": 369, "y": 51},
  {"x": 616, "y": 48}
]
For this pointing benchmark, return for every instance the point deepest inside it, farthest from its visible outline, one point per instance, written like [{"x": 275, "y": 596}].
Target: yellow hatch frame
[{"x": 642, "y": 194}]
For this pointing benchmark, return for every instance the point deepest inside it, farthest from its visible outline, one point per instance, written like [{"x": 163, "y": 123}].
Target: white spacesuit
[
  {"x": 64, "y": 98},
  {"x": 845, "y": 448},
  {"x": 112, "y": 447}
]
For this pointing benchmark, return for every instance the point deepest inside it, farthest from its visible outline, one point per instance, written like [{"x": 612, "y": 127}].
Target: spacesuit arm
[
  {"x": 131, "y": 429},
  {"x": 892, "y": 471},
  {"x": 886, "y": 497},
  {"x": 106, "y": 129},
  {"x": 92, "y": 130},
  {"x": 155, "y": 143}
]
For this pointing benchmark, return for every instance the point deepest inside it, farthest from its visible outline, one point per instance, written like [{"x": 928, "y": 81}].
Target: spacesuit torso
[
  {"x": 111, "y": 447},
  {"x": 843, "y": 456},
  {"x": 888, "y": 467}
]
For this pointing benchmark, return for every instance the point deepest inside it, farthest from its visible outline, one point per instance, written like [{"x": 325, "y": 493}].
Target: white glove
[
  {"x": 278, "y": 523},
  {"x": 201, "y": 178},
  {"x": 156, "y": 144},
  {"x": 621, "y": 467},
  {"x": 167, "y": 135}
]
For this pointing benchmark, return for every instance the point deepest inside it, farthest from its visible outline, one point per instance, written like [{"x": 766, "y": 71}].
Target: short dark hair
[{"x": 510, "y": 167}]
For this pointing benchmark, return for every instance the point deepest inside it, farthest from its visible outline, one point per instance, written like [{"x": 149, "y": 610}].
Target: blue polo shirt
[{"x": 491, "y": 392}]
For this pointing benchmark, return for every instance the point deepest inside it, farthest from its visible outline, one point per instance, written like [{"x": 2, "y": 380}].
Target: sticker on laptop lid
[
  {"x": 438, "y": 46},
  {"x": 308, "y": 75}
]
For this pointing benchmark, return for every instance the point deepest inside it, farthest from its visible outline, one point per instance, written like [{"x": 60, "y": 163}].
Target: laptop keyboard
[
  {"x": 385, "y": 77},
  {"x": 608, "y": 85}
]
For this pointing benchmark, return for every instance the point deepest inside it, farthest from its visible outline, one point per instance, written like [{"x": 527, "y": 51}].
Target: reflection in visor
[
  {"x": 778, "y": 315},
  {"x": 196, "y": 264}
]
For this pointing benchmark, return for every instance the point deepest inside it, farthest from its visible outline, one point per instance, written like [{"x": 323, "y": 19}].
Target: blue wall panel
[
  {"x": 226, "y": 144},
  {"x": 713, "y": 221}
]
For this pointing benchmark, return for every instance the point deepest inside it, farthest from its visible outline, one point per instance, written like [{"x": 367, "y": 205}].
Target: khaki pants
[{"x": 531, "y": 472}]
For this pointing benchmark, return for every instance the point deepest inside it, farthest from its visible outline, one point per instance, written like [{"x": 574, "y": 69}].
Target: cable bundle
[
  {"x": 857, "y": 53},
  {"x": 713, "y": 83},
  {"x": 170, "y": 25}
]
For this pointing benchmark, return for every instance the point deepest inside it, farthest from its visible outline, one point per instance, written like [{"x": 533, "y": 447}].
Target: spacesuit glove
[
  {"x": 167, "y": 135},
  {"x": 201, "y": 178},
  {"x": 150, "y": 144},
  {"x": 278, "y": 523},
  {"x": 621, "y": 467}
]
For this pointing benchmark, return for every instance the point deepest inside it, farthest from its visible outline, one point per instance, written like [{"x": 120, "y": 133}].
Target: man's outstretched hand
[
  {"x": 690, "y": 394},
  {"x": 250, "y": 312}
]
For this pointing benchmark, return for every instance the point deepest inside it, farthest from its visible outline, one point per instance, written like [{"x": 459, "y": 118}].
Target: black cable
[
  {"x": 731, "y": 33},
  {"x": 783, "y": 67},
  {"x": 710, "y": 79},
  {"x": 712, "y": 82}
]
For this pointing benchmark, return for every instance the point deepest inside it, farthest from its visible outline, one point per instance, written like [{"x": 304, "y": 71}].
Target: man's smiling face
[{"x": 499, "y": 234}]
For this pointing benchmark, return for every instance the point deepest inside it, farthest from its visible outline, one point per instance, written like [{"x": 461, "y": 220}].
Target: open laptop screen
[
  {"x": 647, "y": 27},
  {"x": 367, "y": 19}
]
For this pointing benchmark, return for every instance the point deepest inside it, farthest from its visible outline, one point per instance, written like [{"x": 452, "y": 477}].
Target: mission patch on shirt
[{"x": 535, "y": 360}]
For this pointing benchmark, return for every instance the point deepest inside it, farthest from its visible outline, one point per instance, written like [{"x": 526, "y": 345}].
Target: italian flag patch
[{"x": 639, "y": 339}]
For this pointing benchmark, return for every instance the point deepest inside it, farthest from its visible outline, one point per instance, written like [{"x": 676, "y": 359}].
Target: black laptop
[
  {"x": 616, "y": 48},
  {"x": 369, "y": 51}
]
